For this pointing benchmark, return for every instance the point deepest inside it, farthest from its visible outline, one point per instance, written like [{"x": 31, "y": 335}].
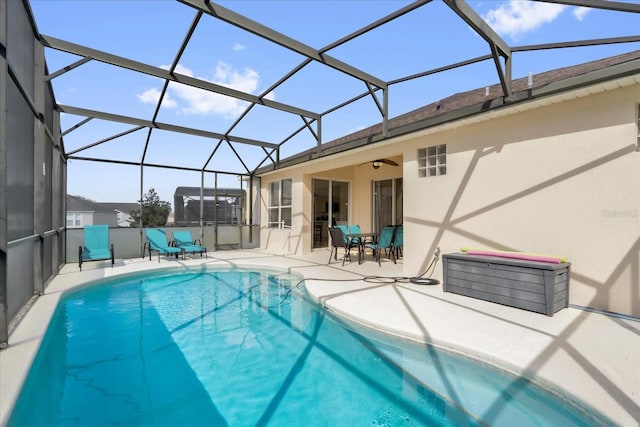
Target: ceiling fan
[{"x": 379, "y": 162}]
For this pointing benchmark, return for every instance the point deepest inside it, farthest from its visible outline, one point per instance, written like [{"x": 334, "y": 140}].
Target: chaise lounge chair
[
  {"x": 96, "y": 245},
  {"x": 157, "y": 241},
  {"x": 184, "y": 240}
]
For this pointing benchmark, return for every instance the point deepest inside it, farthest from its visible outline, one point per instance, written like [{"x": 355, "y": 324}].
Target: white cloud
[
  {"x": 271, "y": 96},
  {"x": 226, "y": 75},
  {"x": 518, "y": 17},
  {"x": 580, "y": 12},
  {"x": 238, "y": 46},
  {"x": 152, "y": 96},
  {"x": 194, "y": 101}
]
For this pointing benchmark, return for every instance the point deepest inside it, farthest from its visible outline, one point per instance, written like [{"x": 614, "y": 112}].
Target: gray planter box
[{"x": 535, "y": 286}]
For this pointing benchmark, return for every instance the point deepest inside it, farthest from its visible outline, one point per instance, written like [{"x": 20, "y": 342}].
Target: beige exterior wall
[{"x": 560, "y": 178}]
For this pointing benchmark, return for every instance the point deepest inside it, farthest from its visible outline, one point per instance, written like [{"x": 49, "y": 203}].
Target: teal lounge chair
[
  {"x": 184, "y": 240},
  {"x": 157, "y": 241},
  {"x": 96, "y": 245}
]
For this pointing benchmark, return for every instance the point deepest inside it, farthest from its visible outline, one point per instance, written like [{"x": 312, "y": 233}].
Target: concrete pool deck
[{"x": 593, "y": 357}]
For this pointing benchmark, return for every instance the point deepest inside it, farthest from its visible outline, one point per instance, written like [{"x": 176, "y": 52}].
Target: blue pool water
[{"x": 240, "y": 348}]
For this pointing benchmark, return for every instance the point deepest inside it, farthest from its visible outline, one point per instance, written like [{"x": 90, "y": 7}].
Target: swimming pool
[{"x": 237, "y": 347}]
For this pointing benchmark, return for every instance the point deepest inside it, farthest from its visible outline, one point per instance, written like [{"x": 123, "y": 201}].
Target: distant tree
[{"x": 155, "y": 212}]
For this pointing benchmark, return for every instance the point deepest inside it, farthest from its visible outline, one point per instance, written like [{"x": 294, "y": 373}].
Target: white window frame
[
  {"x": 280, "y": 199},
  {"x": 74, "y": 220},
  {"x": 432, "y": 161}
]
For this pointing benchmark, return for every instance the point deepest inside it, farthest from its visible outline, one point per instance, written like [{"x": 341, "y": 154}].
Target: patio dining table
[{"x": 363, "y": 239}]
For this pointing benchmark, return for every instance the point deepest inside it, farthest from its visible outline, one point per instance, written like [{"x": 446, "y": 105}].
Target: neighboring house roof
[
  {"x": 479, "y": 101},
  {"x": 122, "y": 207},
  {"x": 80, "y": 204}
]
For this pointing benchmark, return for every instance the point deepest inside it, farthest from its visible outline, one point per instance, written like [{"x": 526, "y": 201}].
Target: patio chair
[
  {"x": 338, "y": 240},
  {"x": 350, "y": 229},
  {"x": 398, "y": 241},
  {"x": 355, "y": 229},
  {"x": 184, "y": 240},
  {"x": 345, "y": 231},
  {"x": 385, "y": 241},
  {"x": 96, "y": 245},
  {"x": 157, "y": 241}
]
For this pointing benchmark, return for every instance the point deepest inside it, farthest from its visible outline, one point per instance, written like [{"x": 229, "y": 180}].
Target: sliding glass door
[
  {"x": 330, "y": 207},
  {"x": 387, "y": 203}
]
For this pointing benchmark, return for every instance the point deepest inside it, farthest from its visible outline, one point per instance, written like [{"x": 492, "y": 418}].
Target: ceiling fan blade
[{"x": 378, "y": 161}]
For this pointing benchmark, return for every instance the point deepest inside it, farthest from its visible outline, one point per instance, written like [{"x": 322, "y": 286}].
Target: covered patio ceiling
[{"x": 298, "y": 123}]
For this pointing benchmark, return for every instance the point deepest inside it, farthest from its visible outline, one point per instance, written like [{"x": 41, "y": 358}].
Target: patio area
[{"x": 593, "y": 357}]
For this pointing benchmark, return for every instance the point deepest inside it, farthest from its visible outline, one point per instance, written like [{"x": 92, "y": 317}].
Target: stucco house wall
[
  {"x": 560, "y": 179},
  {"x": 559, "y": 175}
]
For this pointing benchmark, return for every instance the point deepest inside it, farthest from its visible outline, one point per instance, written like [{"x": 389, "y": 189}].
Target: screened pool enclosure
[{"x": 43, "y": 139}]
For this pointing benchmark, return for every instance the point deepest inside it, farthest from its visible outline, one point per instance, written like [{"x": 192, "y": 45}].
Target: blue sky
[{"x": 151, "y": 31}]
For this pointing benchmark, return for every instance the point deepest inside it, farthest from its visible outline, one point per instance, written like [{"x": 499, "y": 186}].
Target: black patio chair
[{"x": 338, "y": 241}]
